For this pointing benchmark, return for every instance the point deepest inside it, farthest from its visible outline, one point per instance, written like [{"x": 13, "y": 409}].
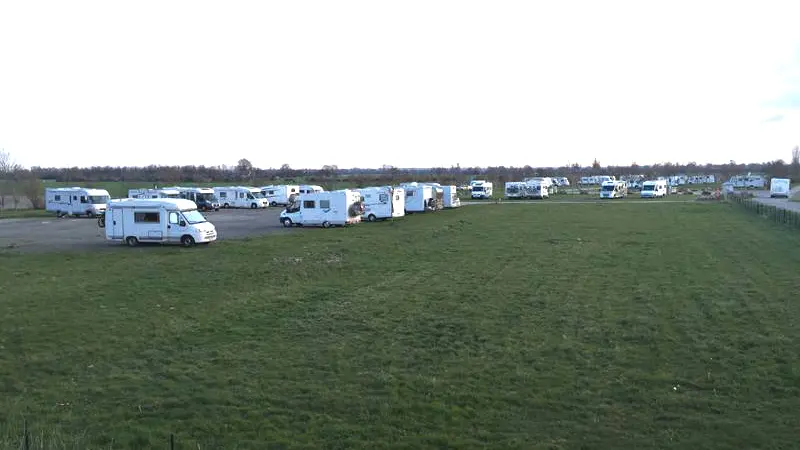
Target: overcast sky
[{"x": 406, "y": 83}]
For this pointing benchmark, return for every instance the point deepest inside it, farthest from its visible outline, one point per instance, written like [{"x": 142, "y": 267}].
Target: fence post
[
  {"x": 26, "y": 438},
  {"x": 171, "y": 441}
]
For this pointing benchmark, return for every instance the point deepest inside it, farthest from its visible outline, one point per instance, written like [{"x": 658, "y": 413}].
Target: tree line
[{"x": 17, "y": 181}]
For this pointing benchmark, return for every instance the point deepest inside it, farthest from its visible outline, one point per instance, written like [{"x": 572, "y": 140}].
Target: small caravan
[
  {"x": 779, "y": 187},
  {"x": 450, "y": 196},
  {"x": 654, "y": 189},
  {"x": 481, "y": 189},
  {"x": 310, "y": 188},
  {"x": 613, "y": 189},
  {"x": 279, "y": 194},
  {"x": 204, "y": 198},
  {"x": 240, "y": 197},
  {"x": 335, "y": 208},
  {"x": 154, "y": 193},
  {"x": 421, "y": 197},
  {"x": 383, "y": 202},
  {"x": 162, "y": 220},
  {"x": 515, "y": 189},
  {"x": 76, "y": 201}
]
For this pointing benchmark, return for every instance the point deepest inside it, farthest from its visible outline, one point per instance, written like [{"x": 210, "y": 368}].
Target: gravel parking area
[{"x": 52, "y": 234}]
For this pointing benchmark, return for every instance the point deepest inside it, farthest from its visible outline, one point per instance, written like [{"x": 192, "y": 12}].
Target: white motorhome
[
  {"x": 481, "y": 189},
  {"x": 335, "y": 208},
  {"x": 544, "y": 183},
  {"x": 76, "y": 201},
  {"x": 240, "y": 197},
  {"x": 749, "y": 181},
  {"x": 154, "y": 193},
  {"x": 421, "y": 197},
  {"x": 204, "y": 198},
  {"x": 162, "y": 220},
  {"x": 310, "y": 188},
  {"x": 383, "y": 202},
  {"x": 537, "y": 190},
  {"x": 515, "y": 189},
  {"x": 779, "y": 187},
  {"x": 279, "y": 194},
  {"x": 654, "y": 189},
  {"x": 450, "y": 196},
  {"x": 613, "y": 189}
]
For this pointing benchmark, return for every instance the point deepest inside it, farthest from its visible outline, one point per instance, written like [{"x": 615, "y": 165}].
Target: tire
[
  {"x": 326, "y": 224},
  {"x": 273, "y": 204},
  {"x": 253, "y": 206},
  {"x": 90, "y": 214},
  {"x": 132, "y": 241},
  {"x": 226, "y": 205},
  {"x": 187, "y": 241},
  {"x": 101, "y": 223},
  {"x": 372, "y": 218},
  {"x": 287, "y": 223}
]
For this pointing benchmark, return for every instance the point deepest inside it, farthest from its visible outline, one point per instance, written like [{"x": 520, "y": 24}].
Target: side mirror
[{"x": 182, "y": 223}]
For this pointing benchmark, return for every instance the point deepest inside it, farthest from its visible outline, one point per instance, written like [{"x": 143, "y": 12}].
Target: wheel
[
  {"x": 90, "y": 214},
  {"x": 372, "y": 218},
  {"x": 326, "y": 224},
  {"x": 226, "y": 205},
  {"x": 287, "y": 223},
  {"x": 273, "y": 204},
  {"x": 253, "y": 206},
  {"x": 100, "y": 222},
  {"x": 187, "y": 241},
  {"x": 132, "y": 241}
]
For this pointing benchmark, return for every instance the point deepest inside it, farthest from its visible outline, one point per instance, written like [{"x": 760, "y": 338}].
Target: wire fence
[
  {"x": 774, "y": 213},
  {"x": 27, "y": 438}
]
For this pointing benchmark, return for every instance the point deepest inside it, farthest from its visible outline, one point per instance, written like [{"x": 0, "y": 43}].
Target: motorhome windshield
[
  {"x": 512, "y": 189},
  {"x": 209, "y": 197},
  {"x": 648, "y": 187},
  {"x": 477, "y": 188},
  {"x": 608, "y": 188},
  {"x": 193, "y": 216},
  {"x": 98, "y": 199}
]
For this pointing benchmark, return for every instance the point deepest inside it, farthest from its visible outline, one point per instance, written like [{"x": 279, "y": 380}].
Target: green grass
[
  {"x": 23, "y": 213},
  {"x": 621, "y": 326}
]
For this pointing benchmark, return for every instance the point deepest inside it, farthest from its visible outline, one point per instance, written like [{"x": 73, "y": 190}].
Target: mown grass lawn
[{"x": 614, "y": 326}]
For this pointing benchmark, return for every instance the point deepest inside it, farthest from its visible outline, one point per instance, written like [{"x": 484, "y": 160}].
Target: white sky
[{"x": 407, "y": 83}]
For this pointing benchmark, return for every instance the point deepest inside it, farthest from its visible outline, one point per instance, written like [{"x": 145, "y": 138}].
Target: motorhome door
[
  {"x": 176, "y": 226},
  {"x": 116, "y": 227}
]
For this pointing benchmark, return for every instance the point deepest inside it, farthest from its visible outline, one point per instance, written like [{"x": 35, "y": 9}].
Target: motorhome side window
[
  {"x": 173, "y": 217},
  {"x": 308, "y": 204},
  {"x": 383, "y": 198},
  {"x": 223, "y": 195},
  {"x": 146, "y": 217},
  {"x": 83, "y": 199},
  {"x": 58, "y": 197},
  {"x": 324, "y": 204},
  {"x": 409, "y": 193}
]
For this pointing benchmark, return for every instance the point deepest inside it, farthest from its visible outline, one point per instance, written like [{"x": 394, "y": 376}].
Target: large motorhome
[
  {"x": 278, "y": 195},
  {"x": 515, "y": 189},
  {"x": 240, "y": 197},
  {"x": 613, "y": 189},
  {"x": 654, "y": 189},
  {"x": 310, "y": 188},
  {"x": 421, "y": 197},
  {"x": 749, "y": 181},
  {"x": 335, "y": 208},
  {"x": 450, "y": 196},
  {"x": 162, "y": 220},
  {"x": 76, "y": 201},
  {"x": 481, "y": 189},
  {"x": 383, "y": 202},
  {"x": 154, "y": 193},
  {"x": 204, "y": 198},
  {"x": 779, "y": 187}
]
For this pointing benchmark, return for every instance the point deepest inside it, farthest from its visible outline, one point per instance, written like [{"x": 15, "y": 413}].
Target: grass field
[{"x": 623, "y": 326}]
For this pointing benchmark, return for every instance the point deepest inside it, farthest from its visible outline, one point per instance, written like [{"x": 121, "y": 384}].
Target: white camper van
[
  {"x": 383, "y": 202},
  {"x": 76, "y": 201},
  {"x": 154, "y": 193},
  {"x": 335, "y": 208},
  {"x": 204, "y": 198},
  {"x": 779, "y": 187},
  {"x": 450, "y": 197},
  {"x": 279, "y": 194},
  {"x": 240, "y": 197},
  {"x": 613, "y": 189},
  {"x": 515, "y": 189},
  {"x": 162, "y": 220},
  {"x": 310, "y": 188},
  {"x": 422, "y": 197},
  {"x": 654, "y": 189},
  {"x": 481, "y": 189}
]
